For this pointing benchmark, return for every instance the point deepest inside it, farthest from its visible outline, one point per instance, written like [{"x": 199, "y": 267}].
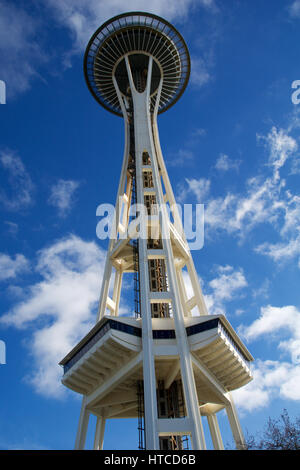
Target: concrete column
[
  {"x": 142, "y": 142},
  {"x": 215, "y": 432},
  {"x": 117, "y": 290},
  {"x": 99, "y": 434},
  {"x": 235, "y": 425},
  {"x": 82, "y": 426},
  {"x": 187, "y": 374}
]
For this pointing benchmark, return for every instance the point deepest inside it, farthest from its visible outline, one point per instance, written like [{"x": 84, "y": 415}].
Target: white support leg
[
  {"x": 115, "y": 225},
  {"x": 178, "y": 223},
  {"x": 235, "y": 425},
  {"x": 197, "y": 435},
  {"x": 82, "y": 426},
  {"x": 186, "y": 364},
  {"x": 140, "y": 102},
  {"x": 99, "y": 434},
  {"x": 215, "y": 432},
  {"x": 182, "y": 292},
  {"x": 166, "y": 180},
  {"x": 117, "y": 290},
  {"x": 187, "y": 374},
  {"x": 105, "y": 287},
  {"x": 196, "y": 286}
]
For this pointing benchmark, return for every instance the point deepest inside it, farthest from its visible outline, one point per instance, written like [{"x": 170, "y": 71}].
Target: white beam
[
  {"x": 111, "y": 305},
  {"x": 113, "y": 381},
  {"x": 211, "y": 381},
  {"x": 118, "y": 397},
  {"x": 119, "y": 410},
  {"x": 172, "y": 374},
  {"x": 191, "y": 303},
  {"x": 182, "y": 291},
  {"x": 174, "y": 426}
]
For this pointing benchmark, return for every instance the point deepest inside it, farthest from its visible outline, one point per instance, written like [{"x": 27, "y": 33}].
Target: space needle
[{"x": 170, "y": 364}]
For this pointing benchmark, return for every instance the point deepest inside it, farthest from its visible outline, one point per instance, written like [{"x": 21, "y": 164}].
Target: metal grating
[
  {"x": 136, "y": 33},
  {"x": 141, "y": 415}
]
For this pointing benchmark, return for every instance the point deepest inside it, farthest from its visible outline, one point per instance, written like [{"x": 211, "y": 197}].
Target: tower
[{"x": 171, "y": 364}]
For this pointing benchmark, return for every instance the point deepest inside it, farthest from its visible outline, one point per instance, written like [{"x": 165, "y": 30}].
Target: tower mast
[{"x": 172, "y": 363}]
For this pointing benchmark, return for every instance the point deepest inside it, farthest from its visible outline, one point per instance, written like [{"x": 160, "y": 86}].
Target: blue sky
[{"x": 231, "y": 142}]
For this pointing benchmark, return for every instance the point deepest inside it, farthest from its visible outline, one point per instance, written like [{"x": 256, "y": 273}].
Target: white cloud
[
  {"x": 224, "y": 163},
  {"x": 271, "y": 380},
  {"x": 294, "y": 9},
  {"x": 200, "y": 188},
  {"x": 289, "y": 245},
  {"x": 59, "y": 309},
  {"x": 24, "y": 444},
  {"x": 199, "y": 132},
  {"x": 224, "y": 288},
  {"x": 83, "y": 17},
  {"x": 187, "y": 154},
  {"x": 282, "y": 251},
  {"x": 10, "y": 268},
  {"x": 263, "y": 290},
  {"x": 261, "y": 204},
  {"x": 280, "y": 146},
  {"x": 220, "y": 214},
  {"x": 22, "y": 188},
  {"x": 274, "y": 320},
  {"x": 19, "y": 49},
  {"x": 266, "y": 199},
  {"x": 12, "y": 227},
  {"x": 200, "y": 74},
  {"x": 235, "y": 213},
  {"x": 62, "y": 195},
  {"x": 180, "y": 158},
  {"x": 228, "y": 282},
  {"x": 292, "y": 214}
]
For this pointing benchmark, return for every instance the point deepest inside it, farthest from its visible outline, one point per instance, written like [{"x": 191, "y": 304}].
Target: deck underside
[{"x": 107, "y": 364}]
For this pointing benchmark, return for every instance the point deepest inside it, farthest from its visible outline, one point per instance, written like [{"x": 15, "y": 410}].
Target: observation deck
[
  {"x": 138, "y": 35},
  {"x": 107, "y": 362}
]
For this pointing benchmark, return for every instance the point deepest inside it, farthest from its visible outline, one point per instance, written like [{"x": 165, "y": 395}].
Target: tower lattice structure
[{"x": 171, "y": 363}]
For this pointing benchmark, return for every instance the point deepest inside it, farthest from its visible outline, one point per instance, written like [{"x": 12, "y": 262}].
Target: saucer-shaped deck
[{"x": 138, "y": 35}]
